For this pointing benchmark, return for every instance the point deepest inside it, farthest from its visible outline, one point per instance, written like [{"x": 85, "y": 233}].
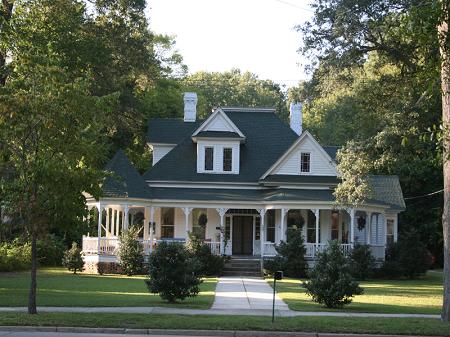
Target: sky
[{"x": 252, "y": 35}]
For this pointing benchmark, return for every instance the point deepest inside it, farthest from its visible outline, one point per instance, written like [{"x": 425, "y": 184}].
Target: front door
[{"x": 242, "y": 235}]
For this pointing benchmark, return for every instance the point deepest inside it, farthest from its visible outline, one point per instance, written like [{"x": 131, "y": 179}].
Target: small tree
[
  {"x": 73, "y": 259},
  {"x": 362, "y": 262},
  {"x": 209, "y": 264},
  {"x": 173, "y": 272},
  {"x": 131, "y": 255},
  {"x": 331, "y": 281},
  {"x": 291, "y": 255}
]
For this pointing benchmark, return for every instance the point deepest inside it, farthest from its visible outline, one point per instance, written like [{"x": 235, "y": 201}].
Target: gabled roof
[
  {"x": 217, "y": 115},
  {"x": 169, "y": 130},
  {"x": 217, "y": 134},
  {"x": 126, "y": 181},
  {"x": 388, "y": 190},
  {"x": 332, "y": 151},
  {"x": 267, "y": 138}
]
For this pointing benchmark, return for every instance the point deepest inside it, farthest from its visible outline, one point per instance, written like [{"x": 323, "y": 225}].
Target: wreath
[{"x": 361, "y": 223}]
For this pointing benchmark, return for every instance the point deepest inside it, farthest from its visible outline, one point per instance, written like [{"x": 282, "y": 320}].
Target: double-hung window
[
  {"x": 167, "y": 222},
  {"x": 334, "y": 225},
  {"x": 390, "y": 231},
  {"x": 305, "y": 162},
  {"x": 209, "y": 158},
  {"x": 270, "y": 228},
  {"x": 227, "y": 159}
]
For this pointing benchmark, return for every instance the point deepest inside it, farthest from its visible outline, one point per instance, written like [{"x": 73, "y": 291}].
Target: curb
[{"x": 150, "y": 332}]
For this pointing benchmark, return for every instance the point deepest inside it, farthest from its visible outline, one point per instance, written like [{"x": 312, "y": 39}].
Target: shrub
[
  {"x": 291, "y": 256},
  {"x": 210, "y": 264},
  {"x": 130, "y": 253},
  {"x": 15, "y": 256},
  {"x": 362, "y": 262},
  {"x": 408, "y": 257},
  {"x": 73, "y": 259},
  {"x": 50, "y": 250},
  {"x": 173, "y": 272},
  {"x": 331, "y": 281}
]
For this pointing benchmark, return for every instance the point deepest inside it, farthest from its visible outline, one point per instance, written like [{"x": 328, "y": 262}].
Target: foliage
[
  {"x": 15, "y": 256},
  {"x": 173, "y": 272},
  {"x": 131, "y": 254},
  {"x": 234, "y": 88},
  {"x": 202, "y": 220},
  {"x": 210, "y": 264},
  {"x": 50, "y": 250},
  {"x": 408, "y": 257},
  {"x": 73, "y": 259},
  {"x": 362, "y": 262},
  {"x": 331, "y": 282},
  {"x": 291, "y": 255}
]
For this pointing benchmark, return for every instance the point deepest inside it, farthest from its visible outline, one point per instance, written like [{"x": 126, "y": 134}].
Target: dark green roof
[
  {"x": 126, "y": 181},
  {"x": 169, "y": 130},
  {"x": 267, "y": 139},
  {"x": 332, "y": 151},
  {"x": 217, "y": 134},
  {"x": 388, "y": 190},
  {"x": 299, "y": 179}
]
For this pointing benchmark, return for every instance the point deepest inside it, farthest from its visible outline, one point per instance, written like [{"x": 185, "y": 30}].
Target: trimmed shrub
[
  {"x": 73, "y": 259},
  {"x": 15, "y": 256},
  {"x": 291, "y": 256},
  {"x": 210, "y": 264},
  {"x": 130, "y": 253},
  {"x": 50, "y": 250},
  {"x": 173, "y": 272},
  {"x": 331, "y": 282},
  {"x": 362, "y": 262}
]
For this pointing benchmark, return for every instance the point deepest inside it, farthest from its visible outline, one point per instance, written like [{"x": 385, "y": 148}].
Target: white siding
[
  {"x": 320, "y": 164},
  {"x": 218, "y": 156},
  {"x": 218, "y": 124},
  {"x": 159, "y": 151}
]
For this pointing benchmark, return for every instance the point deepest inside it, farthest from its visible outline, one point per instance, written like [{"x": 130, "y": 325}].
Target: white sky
[{"x": 217, "y": 35}]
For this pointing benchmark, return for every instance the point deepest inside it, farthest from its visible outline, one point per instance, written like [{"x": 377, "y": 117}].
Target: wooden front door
[{"x": 242, "y": 235}]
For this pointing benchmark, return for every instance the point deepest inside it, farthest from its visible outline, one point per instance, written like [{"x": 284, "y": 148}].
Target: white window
[
  {"x": 227, "y": 159},
  {"x": 305, "y": 162},
  {"x": 390, "y": 231},
  {"x": 209, "y": 158},
  {"x": 270, "y": 225}
]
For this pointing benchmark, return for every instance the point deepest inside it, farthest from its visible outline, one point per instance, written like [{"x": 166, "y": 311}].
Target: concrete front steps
[{"x": 242, "y": 266}]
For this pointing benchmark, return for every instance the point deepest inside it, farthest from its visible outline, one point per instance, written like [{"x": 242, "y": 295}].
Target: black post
[{"x": 273, "y": 302}]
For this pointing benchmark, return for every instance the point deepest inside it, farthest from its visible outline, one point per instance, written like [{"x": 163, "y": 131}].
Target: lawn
[
  {"x": 406, "y": 326},
  {"x": 57, "y": 287},
  {"x": 421, "y": 296}
]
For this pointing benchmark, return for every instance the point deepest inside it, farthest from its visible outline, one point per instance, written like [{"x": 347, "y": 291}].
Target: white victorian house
[{"x": 251, "y": 174}]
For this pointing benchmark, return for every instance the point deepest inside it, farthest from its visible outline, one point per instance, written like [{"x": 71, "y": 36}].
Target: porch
[{"x": 239, "y": 231}]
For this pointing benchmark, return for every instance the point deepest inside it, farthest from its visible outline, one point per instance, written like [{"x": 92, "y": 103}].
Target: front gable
[
  {"x": 321, "y": 163},
  {"x": 218, "y": 121}
]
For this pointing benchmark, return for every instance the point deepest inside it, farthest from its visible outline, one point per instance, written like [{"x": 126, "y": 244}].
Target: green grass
[
  {"x": 57, "y": 287},
  {"x": 422, "y": 296},
  {"x": 406, "y": 326}
]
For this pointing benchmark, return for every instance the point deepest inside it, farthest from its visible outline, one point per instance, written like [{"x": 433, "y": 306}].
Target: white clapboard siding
[
  {"x": 159, "y": 151},
  {"x": 320, "y": 163},
  {"x": 377, "y": 229},
  {"x": 218, "y": 124}
]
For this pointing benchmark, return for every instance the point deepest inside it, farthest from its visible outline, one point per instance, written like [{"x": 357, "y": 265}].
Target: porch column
[
  {"x": 384, "y": 229},
  {"x": 152, "y": 224},
  {"x": 116, "y": 227},
  {"x": 317, "y": 214},
  {"x": 352, "y": 226},
  {"x": 125, "y": 216},
  {"x": 187, "y": 211},
  {"x": 262, "y": 213},
  {"x": 146, "y": 225},
  {"x": 368, "y": 227},
  {"x": 284, "y": 212},
  {"x": 99, "y": 228},
  {"x": 107, "y": 223},
  {"x": 222, "y": 212},
  {"x": 396, "y": 228}
]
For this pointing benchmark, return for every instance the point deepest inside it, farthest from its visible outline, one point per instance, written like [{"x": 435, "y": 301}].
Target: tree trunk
[
  {"x": 445, "y": 85},
  {"x": 5, "y": 15},
  {"x": 32, "y": 293}
]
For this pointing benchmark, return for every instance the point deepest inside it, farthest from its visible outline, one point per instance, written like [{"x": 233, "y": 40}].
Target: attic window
[
  {"x": 227, "y": 159},
  {"x": 305, "y": 162},
  {"x": 209, "y": 158}
]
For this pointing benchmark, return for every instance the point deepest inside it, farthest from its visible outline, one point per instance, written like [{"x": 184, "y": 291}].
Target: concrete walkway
[{"x": 245, "y": 293}]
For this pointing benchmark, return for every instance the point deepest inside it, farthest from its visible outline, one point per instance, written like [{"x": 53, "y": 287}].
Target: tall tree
[{"x": 412, "y": 34}]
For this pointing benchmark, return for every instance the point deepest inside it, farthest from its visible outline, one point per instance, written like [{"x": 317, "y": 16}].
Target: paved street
[{"x": 245, "y": 293}]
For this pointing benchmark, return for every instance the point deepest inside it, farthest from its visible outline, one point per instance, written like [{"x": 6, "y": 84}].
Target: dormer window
[
  {"x": 209, "y": 158},
  {"x": 305, "y": 162},
  {"x": 227, "y": 159}
]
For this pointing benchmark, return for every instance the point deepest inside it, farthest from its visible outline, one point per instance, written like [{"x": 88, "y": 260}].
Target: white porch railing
[
  {"x": 109, "y": 246},
  {"x": 269, "y": 249}
]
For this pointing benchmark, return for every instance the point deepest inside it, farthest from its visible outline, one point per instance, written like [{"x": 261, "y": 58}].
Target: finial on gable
[{"x": 296, "y": 117}]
